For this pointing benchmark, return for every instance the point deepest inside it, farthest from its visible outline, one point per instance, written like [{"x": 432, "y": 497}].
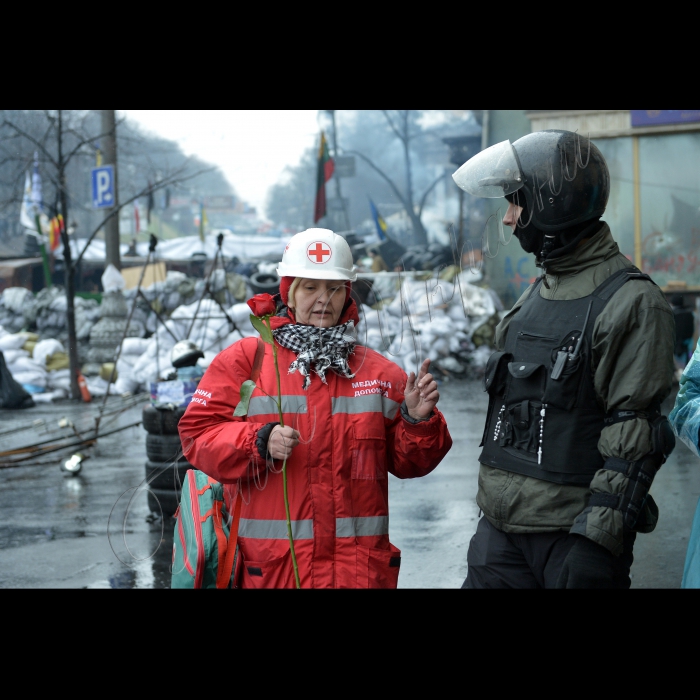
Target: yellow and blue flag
[{"x": 379, "y": 221}]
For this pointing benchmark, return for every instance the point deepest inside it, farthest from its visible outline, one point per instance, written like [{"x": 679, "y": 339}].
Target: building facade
[{"x": 654, "y": 205}]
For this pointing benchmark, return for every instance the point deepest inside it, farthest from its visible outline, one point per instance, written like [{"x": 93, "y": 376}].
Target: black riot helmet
[{"x": 558, "y": 177}]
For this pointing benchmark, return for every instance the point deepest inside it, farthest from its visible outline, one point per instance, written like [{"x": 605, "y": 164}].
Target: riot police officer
[{"x": 583, "y": 360}]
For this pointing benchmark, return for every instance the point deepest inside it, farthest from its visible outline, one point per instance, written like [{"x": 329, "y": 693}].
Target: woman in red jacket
[{"x": 351, "y": 417}]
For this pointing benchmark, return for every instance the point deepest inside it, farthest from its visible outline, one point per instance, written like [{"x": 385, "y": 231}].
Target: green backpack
[{"x": 204, "y": 546}]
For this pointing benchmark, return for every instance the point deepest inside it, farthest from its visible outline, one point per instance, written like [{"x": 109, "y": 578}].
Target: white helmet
[{"x": 317, "y": 254}]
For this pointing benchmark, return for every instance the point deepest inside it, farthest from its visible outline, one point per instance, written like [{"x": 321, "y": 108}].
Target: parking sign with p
[{"x": 103, "y": 187}]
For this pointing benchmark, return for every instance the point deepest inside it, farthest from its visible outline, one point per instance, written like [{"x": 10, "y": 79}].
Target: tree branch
[
  {"x": 173, "y": 179},
  {"x": 83, "y": 142},
  {"x": 387, "y": 116},
  {"x": 427, "y": 192},
  {"x": 381, "y": 174},
  {"x": 33, "y": 140}
]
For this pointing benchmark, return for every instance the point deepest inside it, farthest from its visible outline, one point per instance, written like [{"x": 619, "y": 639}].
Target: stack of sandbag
[
  {"x": 449, "y": 322},
  {"x": 204, "y": 324},
  {"x": 11, "y": 346},
  {"x": 107, "y": 333},
  {"x": 142, "y": 314},
  {"x": 87, "y": 314},
  {"x": 227, "y": 288},
  {"x": 25, "y": 370},
  {"x": 211, "y": 330},
  {"x": 177, "y": 290},
  {"x": 377, "y": 328},
  {"x": 48, "y": 313},
  {"x": 132, "y": 349},
  {"x": 166, "y": 295},
  {"x": 14, "y": 302},
  {"x": 431, "y": 326},
  {"x": 154, "y": 362},
  {"x": 40, "y": 366},
  {"x": 51, "y": 354}
]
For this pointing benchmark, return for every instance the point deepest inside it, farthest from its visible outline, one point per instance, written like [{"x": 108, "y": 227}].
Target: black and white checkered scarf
[{"x": 319, "y": 349}]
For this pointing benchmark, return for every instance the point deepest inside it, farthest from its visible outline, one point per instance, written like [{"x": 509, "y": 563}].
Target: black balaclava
[
  {"x": 549, "y": 246},
  {"x": 531, "y": 239}
]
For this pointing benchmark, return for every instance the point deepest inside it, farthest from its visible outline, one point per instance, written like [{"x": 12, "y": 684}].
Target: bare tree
[
  {"x": 397, "y": 159},
  {"x": 402, "y": 125},
  {"x": 62, "y": 139}
]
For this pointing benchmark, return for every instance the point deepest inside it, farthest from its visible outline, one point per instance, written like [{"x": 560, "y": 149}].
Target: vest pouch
[
  {"x": 495, "y": 374},
  {"x": 522, "y": 428},
  {"x": 564, "y": 392},
  {"x": 526, "y": 381},
  {"x": 495, "y": 377}
]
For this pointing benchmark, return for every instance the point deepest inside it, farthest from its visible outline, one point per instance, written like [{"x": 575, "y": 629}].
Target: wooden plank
[{"x": 155, "y": 272}]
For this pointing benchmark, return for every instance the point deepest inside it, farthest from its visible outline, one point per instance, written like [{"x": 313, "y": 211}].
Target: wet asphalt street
[{"x": 95, "y": 530}]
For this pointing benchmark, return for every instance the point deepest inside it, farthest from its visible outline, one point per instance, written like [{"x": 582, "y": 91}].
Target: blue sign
[
  {"x": 103, "y": 187},
  {"x": 651, "y": 117}
]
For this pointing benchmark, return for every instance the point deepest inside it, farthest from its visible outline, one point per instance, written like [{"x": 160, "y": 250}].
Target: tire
[
  {"x": 161, "y": 422},
  {"x": 163, "y": 501},
  {"x": 264, "y": 283},
  {"x": 164, "y": 448},
  {"x": 166, "y": 476}
]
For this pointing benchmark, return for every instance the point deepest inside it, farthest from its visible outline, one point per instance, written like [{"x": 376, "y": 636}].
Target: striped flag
[
  {"x": 56, "y": 228},
  {"x": 326, "y": 166}
]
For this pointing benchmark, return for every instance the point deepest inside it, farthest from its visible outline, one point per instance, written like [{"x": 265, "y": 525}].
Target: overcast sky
[{"x": 252, "y": 147}]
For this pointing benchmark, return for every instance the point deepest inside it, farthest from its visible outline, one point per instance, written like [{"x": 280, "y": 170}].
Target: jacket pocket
[
  {"x": 368, "y": 452},
  {"x": 378, "y": 568},
  {"x": 274, "y": 573}
]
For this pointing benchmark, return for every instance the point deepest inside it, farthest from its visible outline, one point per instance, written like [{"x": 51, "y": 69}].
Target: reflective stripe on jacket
[{"x": 352, "y": 435}]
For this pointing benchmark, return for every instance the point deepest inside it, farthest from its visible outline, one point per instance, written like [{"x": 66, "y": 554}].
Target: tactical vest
[{"x": 544, "y": 419}]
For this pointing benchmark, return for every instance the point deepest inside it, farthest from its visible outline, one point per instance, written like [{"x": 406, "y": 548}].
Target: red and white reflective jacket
[{"x": 352, "y": 434}]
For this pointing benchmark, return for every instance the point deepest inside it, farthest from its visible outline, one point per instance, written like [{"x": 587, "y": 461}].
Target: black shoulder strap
[{"x": 611, "y": 285}]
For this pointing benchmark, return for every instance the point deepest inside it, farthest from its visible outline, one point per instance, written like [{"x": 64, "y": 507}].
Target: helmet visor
[{"x": 492, "y": 173}]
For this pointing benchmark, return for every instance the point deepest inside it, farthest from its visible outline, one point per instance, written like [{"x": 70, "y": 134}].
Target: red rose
[{"x": 262, "y": 305}]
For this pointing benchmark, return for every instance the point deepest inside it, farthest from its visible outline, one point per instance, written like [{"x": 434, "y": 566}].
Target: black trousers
[{"x": 505, "y": 560}]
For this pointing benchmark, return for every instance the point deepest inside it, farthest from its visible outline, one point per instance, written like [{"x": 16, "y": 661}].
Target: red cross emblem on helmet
[{"x": 319, "y": 252}]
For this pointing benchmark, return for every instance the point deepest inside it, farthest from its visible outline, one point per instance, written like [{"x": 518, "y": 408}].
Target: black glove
[{"x": 589, "y": 565}]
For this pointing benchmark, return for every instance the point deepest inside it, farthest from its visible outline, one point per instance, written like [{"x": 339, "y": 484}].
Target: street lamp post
[{"x": 339, "y": 194}]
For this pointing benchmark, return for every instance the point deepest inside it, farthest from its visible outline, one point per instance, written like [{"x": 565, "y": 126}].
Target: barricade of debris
[
  {"x": 449, "y": 319},
  {"x": 444, "y": 315}
]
